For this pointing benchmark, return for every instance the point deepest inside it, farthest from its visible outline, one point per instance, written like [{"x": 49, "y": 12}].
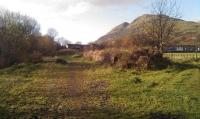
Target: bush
[
  {"x": 66, "y": 52},
  {"x": 61, "y": 61},
  {"x": 140, "y": 59},
  {"x": 106, "y": 57},
  {"x": 153, "y": 84},
  {"x": 142, "y": 63},
  {"x": 36, "y": 57},
  {"x": 143, "y": 59},
  {"x": 77, "y": 55},
  {"x": 137, "y": 80},
  {"x": 157, "y": 61},
  {"x": 97, "y": 56}
]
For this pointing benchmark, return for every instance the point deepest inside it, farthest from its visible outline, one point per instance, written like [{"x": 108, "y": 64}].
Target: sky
[{"x": 87, "y": 20}]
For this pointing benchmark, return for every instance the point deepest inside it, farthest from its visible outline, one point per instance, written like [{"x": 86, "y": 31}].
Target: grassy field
[
  {"x": 182, "y": 56},
  {"x": 83, "y": 89},
  {"x": 172, "y": 93}
]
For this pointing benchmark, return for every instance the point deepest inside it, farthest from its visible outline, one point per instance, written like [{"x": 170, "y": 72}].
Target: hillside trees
[{"x": 20, "y": 38}]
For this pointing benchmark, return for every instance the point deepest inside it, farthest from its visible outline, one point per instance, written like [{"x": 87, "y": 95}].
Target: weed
[
  {"x": 153, "y": 84},
  {"x": 137, "y": 80}
]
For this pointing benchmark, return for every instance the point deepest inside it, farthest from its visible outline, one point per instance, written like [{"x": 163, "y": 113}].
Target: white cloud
[
  {"x": 77, "y": 9},
  {"x": 77, "y": 20},
  {"x": 113, "y": 2}
]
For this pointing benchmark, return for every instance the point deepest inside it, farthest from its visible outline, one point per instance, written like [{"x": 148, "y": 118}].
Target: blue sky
[
  {"x": 87, "y": 20},
  {"x": 191, "y": 9}
]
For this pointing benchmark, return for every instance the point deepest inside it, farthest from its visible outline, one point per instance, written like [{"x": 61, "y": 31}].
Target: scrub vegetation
[{"x": 84, "y": 89}]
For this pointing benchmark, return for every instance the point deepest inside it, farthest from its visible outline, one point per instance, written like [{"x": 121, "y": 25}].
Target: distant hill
[
  {"x": 115, "y": 33},
  {"x": 187, "y": 29}
]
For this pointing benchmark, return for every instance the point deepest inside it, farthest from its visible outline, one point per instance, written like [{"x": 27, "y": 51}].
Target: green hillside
[{"x": 185, "y": 31}]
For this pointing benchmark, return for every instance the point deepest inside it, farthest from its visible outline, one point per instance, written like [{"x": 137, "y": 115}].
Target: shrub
[
  {"x": 133, "y": 59},
  {"x": 94, "y": 55},
  {"x": 142, "y": 63},
  {"x": 143, "y": 59},
  {"x": 137, "y": 80},
  {"x": 152, "y": 84},
  {"x": 36, "y": 57},
  {"x": 157, "y": 61},
  {"x": 61, "y": 61},
  {"x": 66, "y": 52},
  {"x": 106, "y": 57},
  {"x": 140, "y": 59},
  {"x": 77, "y": 56}
]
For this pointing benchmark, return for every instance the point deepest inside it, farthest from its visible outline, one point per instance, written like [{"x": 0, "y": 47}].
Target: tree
[
  {"x": 162, "y": 24},
  {"x": 46, "y": 46},
  {"x": 15, "y": 33},
  {"x": 21, "y": 40},
  {"x": 63, "y": 41},
  {"x": 52, "y": 33}
]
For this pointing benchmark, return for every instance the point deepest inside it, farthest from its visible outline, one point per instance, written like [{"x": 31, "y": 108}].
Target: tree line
[{"x": 21, "y": 40}]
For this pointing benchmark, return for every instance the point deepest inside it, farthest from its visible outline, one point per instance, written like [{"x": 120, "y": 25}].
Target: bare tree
[
  {"x": 21, "y": 40},
  {"x": 63, "y": 41},
  {"x": 52, "y": 33},
  {"x": 162, "y": 24}
]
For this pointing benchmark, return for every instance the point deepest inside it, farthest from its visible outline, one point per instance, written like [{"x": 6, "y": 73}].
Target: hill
[
  {"x": 115, "y": 33},
  {"x": 186, "y": 30}
]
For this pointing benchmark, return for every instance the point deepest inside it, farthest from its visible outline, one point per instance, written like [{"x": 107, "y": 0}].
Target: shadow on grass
[
  {"x": 82, "y": 113},
  {"x": 87, "y": 113},
  {"x": 83, "y": 65},
  {"x": 20, "y": 69},
  {"x": 177, "y": 67},
  {"x": 161, "y": 115}
]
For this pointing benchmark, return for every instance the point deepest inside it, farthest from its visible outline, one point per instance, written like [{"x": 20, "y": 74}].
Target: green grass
[
  {"x": 182, "y": 56},
  {"x": 48, "y": 90},
  {"x": 169, "y": 93},
  {"x": 82, "y": 89}
]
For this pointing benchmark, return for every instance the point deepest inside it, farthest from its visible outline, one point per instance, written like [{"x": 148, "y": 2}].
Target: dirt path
[
  {"x": 75, "y": 81},
  {"x": 60, "y": 92},
  {"x": 75, "y": 96}
]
